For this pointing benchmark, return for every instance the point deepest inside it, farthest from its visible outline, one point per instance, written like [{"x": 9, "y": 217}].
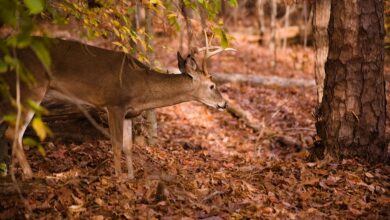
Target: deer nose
[{"x": 223, "y": 106}]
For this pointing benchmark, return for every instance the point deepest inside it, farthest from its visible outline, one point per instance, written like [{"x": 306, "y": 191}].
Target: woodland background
[{"x": 254, "y": 161}]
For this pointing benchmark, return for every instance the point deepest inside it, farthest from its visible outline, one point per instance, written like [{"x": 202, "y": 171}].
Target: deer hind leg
[
  {"x": 116, "y": 115},
  {"x": 127, "y": 147}
]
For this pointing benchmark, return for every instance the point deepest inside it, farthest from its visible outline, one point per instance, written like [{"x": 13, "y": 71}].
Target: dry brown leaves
[{"x": 207, "y": 165}]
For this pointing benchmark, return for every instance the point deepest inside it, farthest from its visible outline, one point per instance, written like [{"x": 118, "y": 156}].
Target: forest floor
[{"x": 208, "y": 164}]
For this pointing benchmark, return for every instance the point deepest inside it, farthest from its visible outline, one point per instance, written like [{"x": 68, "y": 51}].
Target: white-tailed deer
[{"x": 111, "y": 80}]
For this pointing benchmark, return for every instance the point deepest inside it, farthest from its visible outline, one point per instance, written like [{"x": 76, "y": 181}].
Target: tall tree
[
  {"x": 352, "y": 116},
  {"x": 151, "y": 118},
  {"x": 321, "y": 17},
  {"x": 260, "y": 19},
  {"x": 272, "y": 44}
]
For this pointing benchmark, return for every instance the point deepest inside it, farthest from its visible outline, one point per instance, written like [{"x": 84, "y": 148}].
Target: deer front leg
[
  {"x": 127, "y": 147},
  {"x": 17, "y": 146},
  {"x": 116, "y": 115}
]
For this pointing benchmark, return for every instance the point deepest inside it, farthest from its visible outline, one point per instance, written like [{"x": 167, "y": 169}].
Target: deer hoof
[{"x": 130, "y": 176}]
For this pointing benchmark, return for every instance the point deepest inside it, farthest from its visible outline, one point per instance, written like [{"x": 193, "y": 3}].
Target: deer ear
[
  {"x": 181, "y": 63},
  {"x": 191, "y": 67}
]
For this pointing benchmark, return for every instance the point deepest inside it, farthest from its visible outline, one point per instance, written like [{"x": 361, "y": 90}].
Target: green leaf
[
  {"x": 190, "y": 4},
  {"x": 40, "y": 128},
  {"x": 21, "y": 40},
  {"x": 10, "y": 118},
  {"x": 172, "y": 19},
  {"x": 25, "y": 74},
  {"x": 123, "y": 47},
  {"x": 224, "y": 40},
  {"x": 7, "y": 12},
  {"x": 42, "y": 53},
  {"x": 35, "y": 6},
  {"x": 37, "y": 108},
  {"x": 11, "y": 61},
  {"x": 30, "y": 142},
  {"x": 3, "y": 169},
  {"x": 41, "y": 150},
  {"x": 221, "y": 35},
  {"x": 233, "y": 3},
  {"x": 33, "y": 143},
  {"x": 155, "y": 3},
  {"x": 3, "y": 66}
]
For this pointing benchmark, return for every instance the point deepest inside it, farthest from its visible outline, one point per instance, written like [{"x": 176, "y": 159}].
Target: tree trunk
[
  {"x": 138, "y": 132},
  {"x": 286, "y": 24},
  {"x": 261, "y": 20},
  {"x": 352, "y": 116},
  {"x": 272, "y": 45},
  {"x": 321, "y": 42},
  {"x": 184, "y": 12},
  {"x": 203, "y": 16},
  {"x": 305, "y": 20},
  {"x": 151, "y": 119}
]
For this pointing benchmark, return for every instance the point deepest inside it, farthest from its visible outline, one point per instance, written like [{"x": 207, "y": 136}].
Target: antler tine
[
  {"x": 204, "y": 48},
  {"x": 219, "y": 50},
  {"x": 208, "y": 53}
]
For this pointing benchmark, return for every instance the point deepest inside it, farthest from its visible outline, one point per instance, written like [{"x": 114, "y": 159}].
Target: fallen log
[
  {"x": 257, "y": 79},
  {"x": 237, "y": 111},
  {"x": 262, "y": 80}
]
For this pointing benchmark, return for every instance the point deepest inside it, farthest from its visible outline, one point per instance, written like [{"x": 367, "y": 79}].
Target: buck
[{"x": 111, "y": 80}]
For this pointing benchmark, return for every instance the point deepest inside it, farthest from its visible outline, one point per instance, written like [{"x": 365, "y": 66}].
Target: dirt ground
[{"x": 207, "y": 164}]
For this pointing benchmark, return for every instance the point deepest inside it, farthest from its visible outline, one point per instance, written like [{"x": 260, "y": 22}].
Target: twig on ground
[{"x": 216, "y": 193}]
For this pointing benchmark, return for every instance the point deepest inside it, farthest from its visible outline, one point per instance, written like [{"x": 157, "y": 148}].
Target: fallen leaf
[
  {"x": 369, "y": 175},
  {"x": 97, "y": 217},
  {"x": 76, "y": 208},
  {"x": 99, "y": 201},
  {"x": 267, "y": 210},
  {"x": 311, "y": 164},
  {"x": 311, "y": 181},
  {"x": 384, "y": 199},
  {"x": 332, "y": 180},
  {"x": 354, "y": 211}
]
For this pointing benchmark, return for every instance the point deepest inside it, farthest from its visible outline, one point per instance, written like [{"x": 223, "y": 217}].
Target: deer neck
[{"x": 165, "y": 90}]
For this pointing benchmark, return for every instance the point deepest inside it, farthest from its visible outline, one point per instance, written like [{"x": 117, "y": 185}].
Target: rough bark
[
  {"x": 203, "y": 16},
  {"x": 321, "y": 42},
  {"x": 305, "y": 19},
  {"x": 138, "y": 130},
  {"x": 184, "y": 12},
  {"x": 272, "y": 45},
  {"x": 151, "y": 119},
  {"x": 261, "y": 20},
  {"x": 286, "y": 24},
  {"x": 351, "y": 119},
  {"x": 145, "y": 125}
]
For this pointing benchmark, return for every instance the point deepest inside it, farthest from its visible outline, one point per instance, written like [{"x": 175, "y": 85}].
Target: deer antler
[{"x": 208, "y": 53}]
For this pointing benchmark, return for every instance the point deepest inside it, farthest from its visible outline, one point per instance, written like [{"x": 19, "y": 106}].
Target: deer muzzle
[{"x": 222, "y": 106}]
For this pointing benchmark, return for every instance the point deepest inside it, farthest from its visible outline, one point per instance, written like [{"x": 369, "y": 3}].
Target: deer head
[{"x": 204, "y": 89}]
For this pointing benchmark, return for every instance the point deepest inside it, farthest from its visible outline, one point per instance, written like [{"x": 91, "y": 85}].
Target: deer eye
[{"x": 212, "y": 86}]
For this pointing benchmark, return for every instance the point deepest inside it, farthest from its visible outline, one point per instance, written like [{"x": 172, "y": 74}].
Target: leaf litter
[{"x": 206, "y": 165}]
